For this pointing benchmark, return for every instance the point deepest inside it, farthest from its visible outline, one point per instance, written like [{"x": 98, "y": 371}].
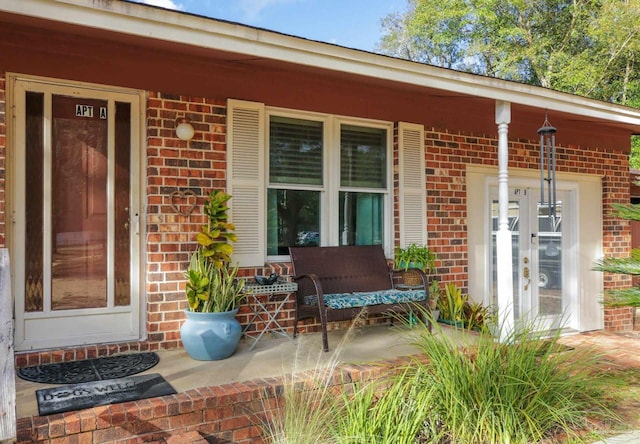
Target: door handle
[{"x": 525, "y": 274}]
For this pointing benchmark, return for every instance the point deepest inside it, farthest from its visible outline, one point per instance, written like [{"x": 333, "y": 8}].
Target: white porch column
[{"x": 503, "y": 237}]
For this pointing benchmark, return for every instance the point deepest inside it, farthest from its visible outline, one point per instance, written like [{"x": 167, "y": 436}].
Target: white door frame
[
  {"x": 587, "y": 284},
  {"x": 63, "y": 328},
  {"x": 527, "y": 264}
]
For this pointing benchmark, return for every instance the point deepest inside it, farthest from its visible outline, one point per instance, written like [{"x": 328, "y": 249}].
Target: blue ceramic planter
[{"x": 210, "y": 336}]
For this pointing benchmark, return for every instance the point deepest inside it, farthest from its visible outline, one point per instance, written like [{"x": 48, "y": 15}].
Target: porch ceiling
[{"x": 138, "y": 46}]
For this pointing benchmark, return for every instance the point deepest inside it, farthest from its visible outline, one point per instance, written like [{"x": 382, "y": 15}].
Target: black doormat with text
[
  {"x": 110, "y": 391},
  {"x": 89, "y": 370}
]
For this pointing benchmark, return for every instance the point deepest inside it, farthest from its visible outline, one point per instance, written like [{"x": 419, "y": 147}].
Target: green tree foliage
[
  {"x": 625, "y": 265},
  {"x": 585, "y": 47}
]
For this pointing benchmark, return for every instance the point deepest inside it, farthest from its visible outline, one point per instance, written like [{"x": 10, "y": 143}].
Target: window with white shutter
[
  {"x": 304, "y": 179},
  {"x": 413, "y": 201},
  {"x": 246, "y": 180}
]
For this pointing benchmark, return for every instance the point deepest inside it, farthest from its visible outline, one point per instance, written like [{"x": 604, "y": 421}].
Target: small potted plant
[
  {"x": 411, "y": 257},
  {"x": 452, "y": 305},
  {"x": 211, "y": 331},
  {"x": 435, "y": 292}
]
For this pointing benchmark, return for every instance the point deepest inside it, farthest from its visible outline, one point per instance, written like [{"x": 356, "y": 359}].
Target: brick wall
[
  {"x": 199, "y": 165},
  {"x": 230, "y": 413},
  {"x": 448, "y": 153}
]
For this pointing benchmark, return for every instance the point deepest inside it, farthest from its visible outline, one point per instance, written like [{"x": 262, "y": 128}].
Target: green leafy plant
[
  {"x": 383, "y": 412},
  {"x": 477, "y": 316},
  {"x": 520, "y": 390},
  {"x": 452, "y": 303},
  {"x": 435, "y": 293},
  {"x": 629, "y": 265},
  {"x": 469, "y": 389},
  {"x": 212, "y": 286},
  {"x": 214, "y": 237},
  {"x": 414, "y": 256}
]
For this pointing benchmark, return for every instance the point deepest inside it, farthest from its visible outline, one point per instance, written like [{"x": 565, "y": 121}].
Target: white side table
[{"x": 278, "y": 293}]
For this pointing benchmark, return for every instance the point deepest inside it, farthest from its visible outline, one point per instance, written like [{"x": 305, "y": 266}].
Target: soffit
[{"x": 134, "y": 27}]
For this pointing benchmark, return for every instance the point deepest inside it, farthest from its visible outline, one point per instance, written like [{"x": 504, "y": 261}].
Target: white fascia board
[{"x": 145, "y": 21}]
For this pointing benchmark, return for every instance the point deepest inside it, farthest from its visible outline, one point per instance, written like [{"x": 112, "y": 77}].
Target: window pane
[
  {"x": 550, "y": 302},
  {"x": 363, "y": 157},
  {"x": 122, "y": 255},
  {"x": 295, "y": 151},
  {"x": 293, "y": 219},
  {"x": 361, "y": 218},
  {"x": 34, "y": 214},
  {"x": 79, "y": 206}
]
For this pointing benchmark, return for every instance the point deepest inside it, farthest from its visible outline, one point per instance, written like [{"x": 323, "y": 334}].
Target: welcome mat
[
  {"x": 89, "y": 370},
  {"x": 110, "y": 391}
]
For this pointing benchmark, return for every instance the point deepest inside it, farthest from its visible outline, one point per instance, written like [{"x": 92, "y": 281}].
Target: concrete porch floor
[{"x": 271, "y": 357}]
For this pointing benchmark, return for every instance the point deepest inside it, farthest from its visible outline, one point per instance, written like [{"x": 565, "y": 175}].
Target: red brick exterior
[
  {"x": 447, "y": 156},
  {"x": 231, "y": 413},
  {"x": 200, "y": 165}
]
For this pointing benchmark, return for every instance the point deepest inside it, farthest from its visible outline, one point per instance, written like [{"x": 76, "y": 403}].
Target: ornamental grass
[{"x": 469, "y": 389}]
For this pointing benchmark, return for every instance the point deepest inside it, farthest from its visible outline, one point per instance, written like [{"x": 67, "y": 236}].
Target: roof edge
[{"x": 153, "y": 22}]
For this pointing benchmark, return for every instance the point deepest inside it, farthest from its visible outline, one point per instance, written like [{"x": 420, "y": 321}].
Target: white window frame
[{"x": 330, "y": 189}]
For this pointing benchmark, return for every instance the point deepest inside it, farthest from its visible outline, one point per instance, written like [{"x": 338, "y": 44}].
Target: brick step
[{"x": 192, "y": 437}]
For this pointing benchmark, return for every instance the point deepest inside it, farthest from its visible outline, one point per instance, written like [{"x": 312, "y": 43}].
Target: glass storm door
[
  {"x": 75, "y": 216},
  {"x": 538, "y": 262}
]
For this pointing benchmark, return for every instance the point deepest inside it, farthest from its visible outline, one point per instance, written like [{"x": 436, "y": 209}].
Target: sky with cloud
[{"x": 350, "y": 23}]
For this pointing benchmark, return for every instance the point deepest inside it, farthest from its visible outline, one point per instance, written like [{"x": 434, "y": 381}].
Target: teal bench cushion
[{"x": 361, "y": 299}]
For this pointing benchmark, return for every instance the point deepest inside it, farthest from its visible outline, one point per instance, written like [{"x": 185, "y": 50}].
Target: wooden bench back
[{"x": 343, "y": 269}]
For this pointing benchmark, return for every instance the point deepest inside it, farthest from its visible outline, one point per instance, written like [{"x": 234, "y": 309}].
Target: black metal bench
[{"x": 335, "y": 283}]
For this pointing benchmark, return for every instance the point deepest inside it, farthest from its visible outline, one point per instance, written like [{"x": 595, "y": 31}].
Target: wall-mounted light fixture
[{"x": 184, "y": 129}]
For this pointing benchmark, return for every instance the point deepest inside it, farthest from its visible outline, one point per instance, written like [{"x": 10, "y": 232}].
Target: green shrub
[
  {"x": 477, "y": 316},
  {"x": 414, "y": 256},
  {"x": 451, "y": 304},
  {"x": 470, "y": 389},
  {"x": 519, "y": 391},
  {"x": 382, "y": 413}
]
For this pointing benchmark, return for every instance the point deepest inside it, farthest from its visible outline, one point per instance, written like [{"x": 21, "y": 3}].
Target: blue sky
[{"x": 350, "y": 23}]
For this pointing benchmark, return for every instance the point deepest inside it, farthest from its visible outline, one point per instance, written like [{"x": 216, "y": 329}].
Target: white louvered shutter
[
  {"x": 413, "y": 204},
  {"x": 246, "y": 170}
]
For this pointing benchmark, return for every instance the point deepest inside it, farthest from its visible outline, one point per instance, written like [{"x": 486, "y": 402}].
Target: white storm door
[
  {"x": 517, "y": 216},
  {"x": 76, "y": 213},
  {"x": 540, "y": 252}
]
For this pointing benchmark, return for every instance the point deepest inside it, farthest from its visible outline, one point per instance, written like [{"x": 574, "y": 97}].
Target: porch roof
[{"x": 238, "y": 47}]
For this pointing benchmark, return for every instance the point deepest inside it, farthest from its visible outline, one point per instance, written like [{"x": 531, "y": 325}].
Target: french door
[
  {"x": 76, "y": 214},
  {"x": 543, "y": 251}
]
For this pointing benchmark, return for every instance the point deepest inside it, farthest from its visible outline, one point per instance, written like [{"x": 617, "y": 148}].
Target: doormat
[
  {"x": 108, "y": 391},
  {"x": 90, "y": 370}
]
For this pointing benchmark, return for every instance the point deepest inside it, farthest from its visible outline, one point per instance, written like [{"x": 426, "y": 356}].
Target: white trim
[
  {"x": 128, "y": 321},
  {"x": 587, "y": 194},
  {"x": 246, "y": 179},
  {"x": 177, "y": 27},
  {"x": 330, "y": 188},
  {"x": 409, "y": 171}
]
